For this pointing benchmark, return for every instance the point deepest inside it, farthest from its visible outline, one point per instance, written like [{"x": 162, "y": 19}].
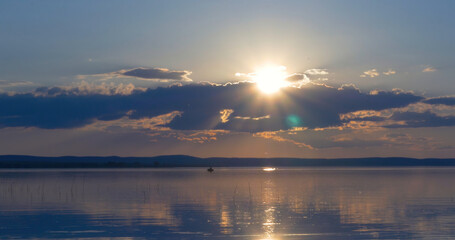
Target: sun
[{"x": 270, "y": 79}]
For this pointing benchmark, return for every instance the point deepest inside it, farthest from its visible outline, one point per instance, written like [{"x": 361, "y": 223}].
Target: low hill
[{"x": 22, "y": 161}]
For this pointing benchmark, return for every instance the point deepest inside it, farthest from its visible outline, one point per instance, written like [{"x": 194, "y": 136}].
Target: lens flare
[{"x": 293, "y": 121}]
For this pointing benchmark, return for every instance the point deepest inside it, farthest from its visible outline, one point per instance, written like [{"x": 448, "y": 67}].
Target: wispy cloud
[
  {"x": 423, "y": 114},
  {"x": 157, "y": 73},
  {"x": 86, "y": 88},
  {"x": 156, "y": 123},
  {"x": 154, "y": 128},
  {"x": 416, "y": 120},
  {"x": 372, "y": 73},
  {"x": 449, "y": 100},
  {"x": 429, "y": 69},
  {"x": 317, "y": 71},
  {"x": 390, "y": 72},
  {"x": 148, "y": 74},
  {"x": 7, "y": 84},
  {"x": 253, "y": 118},
  {"x": 199, "y": 136},
  {"x": 275, "y": 136}
]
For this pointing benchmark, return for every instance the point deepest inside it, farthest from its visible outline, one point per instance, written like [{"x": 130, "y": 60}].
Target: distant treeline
[{"x": 19, "y": 161}]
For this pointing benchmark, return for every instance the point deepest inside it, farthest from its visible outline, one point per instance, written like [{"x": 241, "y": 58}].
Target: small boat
[{"x": 210, "y": 170}]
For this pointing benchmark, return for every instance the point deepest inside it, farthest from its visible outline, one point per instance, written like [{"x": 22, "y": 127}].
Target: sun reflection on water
[
  {"x": 268, "y": 169},
  {"x": 233, "y": 204},
  {"x": 270, "y": 202}
]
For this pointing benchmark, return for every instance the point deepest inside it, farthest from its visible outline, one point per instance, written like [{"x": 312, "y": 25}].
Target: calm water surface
[{"x": 231, "y": 203}]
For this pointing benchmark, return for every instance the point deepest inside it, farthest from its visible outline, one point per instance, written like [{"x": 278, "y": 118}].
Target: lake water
[{"x": 231, "y": 203}]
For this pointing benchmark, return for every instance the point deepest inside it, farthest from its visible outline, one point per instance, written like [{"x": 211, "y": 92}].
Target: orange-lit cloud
[
  {"x": 429, "y": 69},
  {"x": 372, "y": 73},
  {"x": 224, "y": 115},
  {"x": 389, "y": 72},
  {"x": 276, "y": 137}
]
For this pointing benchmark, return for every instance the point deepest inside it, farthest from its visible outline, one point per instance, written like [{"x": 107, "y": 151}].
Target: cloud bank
[{"x": 236, "y": 107}]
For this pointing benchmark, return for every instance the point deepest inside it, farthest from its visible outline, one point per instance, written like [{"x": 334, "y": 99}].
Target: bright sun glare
[
  {"x": 271, "y": 79},
  {"x": 268, "y": 169}
]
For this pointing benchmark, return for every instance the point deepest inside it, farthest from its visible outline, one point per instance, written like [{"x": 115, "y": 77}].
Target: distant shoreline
[{"x": 24, "y": 161}]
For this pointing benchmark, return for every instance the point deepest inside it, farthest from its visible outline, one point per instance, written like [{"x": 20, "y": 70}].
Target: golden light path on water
[
  {"x": 269, "y": 198},
  {"x": 250, "y": 203}
]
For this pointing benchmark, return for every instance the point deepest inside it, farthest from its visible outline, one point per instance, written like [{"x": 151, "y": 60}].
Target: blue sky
[
  {"x": 93, "y": 46},
  {"x": 50, "y": 42}
]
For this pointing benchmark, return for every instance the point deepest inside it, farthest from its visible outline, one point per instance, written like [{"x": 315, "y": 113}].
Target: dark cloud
[
  {"x": 157, "y": 73},
  {"x": 296, "y": 77},
  {"x": 85, "y": 88},
  {"x": 416, "y": 119},
  {"x": 63, "y": 111},
  {"x": 449, "y": 101},
  {"x": 202, "y": 106},
  {"x": 400, "y": 118}
]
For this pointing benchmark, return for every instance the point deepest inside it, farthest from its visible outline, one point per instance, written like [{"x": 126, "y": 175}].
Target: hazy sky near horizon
[{"x": 363, "y": 78}]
